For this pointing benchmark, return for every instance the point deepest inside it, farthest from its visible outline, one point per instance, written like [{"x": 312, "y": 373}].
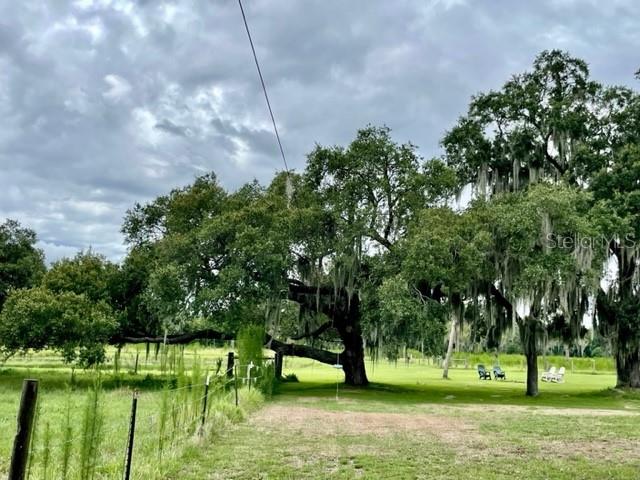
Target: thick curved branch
[
  {"x": 550, "y": 158},
  {"x": 503, "y": 302},
  {"x": 426, "y": 290},
  {"x": 291, "y": 349},
  {"x": 380, "y": 239},
  {"x": 174, "y": 339},
  {"x": 331, "y": 302},
  {"x": 323, "y": 356},
  {"x": 296, "y": 287},
  {"x": 316, "y": 333}
]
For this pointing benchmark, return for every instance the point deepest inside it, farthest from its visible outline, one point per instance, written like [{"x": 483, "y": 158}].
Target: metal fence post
[
  {"x": 204, "y": 404},
  {"x": 132, "y": 431},
  {"x": 21, "y": 443}
]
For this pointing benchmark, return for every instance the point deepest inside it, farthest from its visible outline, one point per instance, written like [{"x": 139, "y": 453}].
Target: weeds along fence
[{"x": 140, "y": 435}]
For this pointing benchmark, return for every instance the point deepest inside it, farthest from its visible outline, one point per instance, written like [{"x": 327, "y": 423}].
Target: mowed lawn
[{"x": 412, "y": 424}]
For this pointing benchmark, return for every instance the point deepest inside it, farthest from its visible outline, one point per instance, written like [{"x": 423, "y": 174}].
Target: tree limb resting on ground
[
  {"x": 291, "y": 349},
  {"x": 323, "y": 356}
]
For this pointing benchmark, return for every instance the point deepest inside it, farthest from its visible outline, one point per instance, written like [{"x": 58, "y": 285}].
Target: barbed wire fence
[{"x": 88, "y": 440}]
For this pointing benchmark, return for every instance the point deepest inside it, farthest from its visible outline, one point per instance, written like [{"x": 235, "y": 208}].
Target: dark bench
[
  {"x": 499, "y": 373},
  {"x": 483, "y": 373}
]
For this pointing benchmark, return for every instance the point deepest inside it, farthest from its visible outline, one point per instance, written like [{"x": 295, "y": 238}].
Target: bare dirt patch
[
  {"x": 315, "y": 427},
  {"x": 314, "y": 421}
]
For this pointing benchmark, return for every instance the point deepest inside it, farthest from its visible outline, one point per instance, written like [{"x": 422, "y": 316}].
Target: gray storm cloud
[{"x": 105, "y": 103}]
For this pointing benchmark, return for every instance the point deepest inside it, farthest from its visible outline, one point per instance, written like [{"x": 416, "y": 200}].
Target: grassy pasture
[
  {"x": 62, "y": 390},
  {"x": 412, "y": 424},
  {"x": 409, "y": 424}
]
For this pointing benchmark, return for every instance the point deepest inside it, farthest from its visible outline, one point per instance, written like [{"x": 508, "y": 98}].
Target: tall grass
[
  {"x": 162, "y": 420},
  {"x": 249, "y": 344},
  {"x": 250, "y": 352},
  {"x": 46, "y": 452},
  {"x": 67, "y": 439},
  {"x": 92, "y": 426},
  {"x": 81, "y": 434}
]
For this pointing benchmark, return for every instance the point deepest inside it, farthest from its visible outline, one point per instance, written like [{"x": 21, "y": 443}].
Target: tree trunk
[
  {"x": 343, "y": 310},
  {"x": 628, "y": 369},
  {"x": 528, "y": 338},
  {"x": 456, "y": 318},
  {"x": 447, "y": 358},
  {"x": 616, "y": 319},
  {"x": 352, "y": 357}
]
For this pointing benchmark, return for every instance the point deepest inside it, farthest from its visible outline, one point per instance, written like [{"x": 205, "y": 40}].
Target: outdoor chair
[
  {"x": 549, "y": 375},
  {"x": 499, "y": 373},
  {"x": 559, "y": 376},
  {"x": 483, "y": 374}
]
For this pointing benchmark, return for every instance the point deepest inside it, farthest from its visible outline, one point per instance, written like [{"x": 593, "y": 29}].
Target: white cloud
[{"x": 118, "y": 87}]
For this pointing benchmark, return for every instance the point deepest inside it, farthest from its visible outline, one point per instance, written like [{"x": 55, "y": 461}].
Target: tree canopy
[
  {"x": 371, "y": 247},
  {"x": 21, "y": 263}
]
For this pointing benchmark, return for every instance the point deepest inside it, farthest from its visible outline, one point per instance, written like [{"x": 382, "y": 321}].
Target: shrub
[{"x": 290, "y": 377}]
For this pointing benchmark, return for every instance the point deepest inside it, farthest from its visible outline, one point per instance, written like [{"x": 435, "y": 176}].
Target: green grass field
[
  {"x": 62, "y": 390},
  {"x": 409, "y": 424}
]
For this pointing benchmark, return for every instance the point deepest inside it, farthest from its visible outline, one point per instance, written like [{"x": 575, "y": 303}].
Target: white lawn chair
[
  {"x": 549, "y": 375},
  {"x": 559, "y": 376}
]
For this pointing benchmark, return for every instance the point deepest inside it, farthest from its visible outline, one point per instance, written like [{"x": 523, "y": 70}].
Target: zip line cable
[{"x": 264, "y": 88}]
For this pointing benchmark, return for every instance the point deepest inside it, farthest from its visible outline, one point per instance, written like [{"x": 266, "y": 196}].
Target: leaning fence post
[
  {"x": 132, "y": 430},
  {"x": 204, "y": 404},
  {"x": 230, "y": 364},
  {"x": 21, "y": 443}
]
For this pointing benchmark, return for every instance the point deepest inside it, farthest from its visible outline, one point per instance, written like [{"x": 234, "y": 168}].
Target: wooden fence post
[
  {"x": 278, "y": 365},
  {"x": 230, "y": 364},
  {"x": 132, "y": 431},
  {"x": 135, "y": 368},
  {"x": 235, "y": 382},
  {"x": 21, "y": 443}
]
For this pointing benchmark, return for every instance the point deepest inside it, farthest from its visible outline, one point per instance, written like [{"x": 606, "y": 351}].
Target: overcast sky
[{"x": 105, "y": 103}]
